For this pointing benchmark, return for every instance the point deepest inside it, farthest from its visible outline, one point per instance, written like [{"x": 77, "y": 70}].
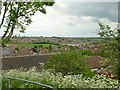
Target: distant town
[
  {"x": 20, "y": 46},
  {"x": 22, "y": 49}
]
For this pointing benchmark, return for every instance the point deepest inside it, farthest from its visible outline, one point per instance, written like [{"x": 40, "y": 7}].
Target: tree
[
  {"x": 109, "y": 46},
  {"x": 50, "y": 48},
  {"x": 105, "y": 31},
  {"x": 17, "y": 15},
  {"x": 71, "y": 62}
]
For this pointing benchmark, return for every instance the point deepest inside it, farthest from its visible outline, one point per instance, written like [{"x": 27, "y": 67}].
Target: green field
[{"x": 31, "y": 45}]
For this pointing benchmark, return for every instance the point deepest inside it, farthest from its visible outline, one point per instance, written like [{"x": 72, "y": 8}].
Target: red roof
[{"x": 94, "y": 61}]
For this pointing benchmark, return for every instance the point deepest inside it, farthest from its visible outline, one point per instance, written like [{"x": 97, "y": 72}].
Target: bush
[
  {"x": 71, "y": 62},
  {"x": 56, "y": 80},
  {"x": 86, "y": 52}
]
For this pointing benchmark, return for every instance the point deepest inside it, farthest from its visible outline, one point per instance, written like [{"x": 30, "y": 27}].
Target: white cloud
[
  {"x": 69, "y": 19},
  {"x": 67, "y": 25},
  {"x": 113, "y": 25}
]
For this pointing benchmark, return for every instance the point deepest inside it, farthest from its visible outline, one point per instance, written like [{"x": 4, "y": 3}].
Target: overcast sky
[{"x": 73, "y": 19}]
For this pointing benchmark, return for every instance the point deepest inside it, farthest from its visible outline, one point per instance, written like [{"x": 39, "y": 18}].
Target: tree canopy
[
  {"x": 106, "y": 31},
  {"x": 110, "y": 47}
]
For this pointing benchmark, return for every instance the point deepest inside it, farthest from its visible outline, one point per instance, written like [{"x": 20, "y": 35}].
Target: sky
[{"x": 72, "y": 19}]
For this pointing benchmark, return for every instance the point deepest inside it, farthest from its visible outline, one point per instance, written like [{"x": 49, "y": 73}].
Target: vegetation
[
  {"x": 65, "y": 70},
  {"x": 71, "y": 62},
  {"x": 57, "y": 80},
  {"x": 87, "y": 52},
  {"x": 0, "y": 82},
  {"x": 109, "y": 47},
  {"x": 31, "y": 45},
  {"x": 45, "y": 43},
  {"x": 91, "y": 38}
]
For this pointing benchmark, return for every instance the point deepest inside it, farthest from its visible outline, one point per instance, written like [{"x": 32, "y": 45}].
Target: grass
[
  {"x": 31, "y": 45},
  {"x": 0, "y": 83}
]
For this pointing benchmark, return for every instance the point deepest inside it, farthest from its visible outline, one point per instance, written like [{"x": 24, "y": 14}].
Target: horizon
[{"x": 58, "y": 36}]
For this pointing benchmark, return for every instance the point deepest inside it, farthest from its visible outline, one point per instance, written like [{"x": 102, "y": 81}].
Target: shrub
[
  {"x": 86, "y": 52},
  {"x": 17, "y": 49},
  {"x": 71, "y": 62},
  {"x": 56, "y": 80}
]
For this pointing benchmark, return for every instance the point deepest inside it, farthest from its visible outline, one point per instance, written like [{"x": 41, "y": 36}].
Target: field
[{"x": 31, "y": 45}]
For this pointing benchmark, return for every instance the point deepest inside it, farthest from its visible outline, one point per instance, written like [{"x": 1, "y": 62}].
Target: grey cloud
[
  {"x": 95, "y": 19},
  {"x": 99, "y": 10},
  {"x": 70, "y": 24}
]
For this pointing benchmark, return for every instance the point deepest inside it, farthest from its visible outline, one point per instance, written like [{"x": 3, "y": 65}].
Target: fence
[
  {"x": 23, "y": 80},
  {"x": 26, "y": 62}
]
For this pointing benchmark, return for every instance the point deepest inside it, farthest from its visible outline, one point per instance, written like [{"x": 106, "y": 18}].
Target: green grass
[
  {"x": 0, "y": 83},
  {"x": 31, "y": 45}
]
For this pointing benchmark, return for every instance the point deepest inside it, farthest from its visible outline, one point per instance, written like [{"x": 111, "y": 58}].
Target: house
[
  {"x": 55, "y": 48},
  {"x": 12, "y": 46},
  {"x": 95, "y": 63},
  {"x": 108, "y": 73},
  {"x": 43, "y": 51},
  {"x": 95, "y": 48},
  {"x": 6, "y": 52},
  {"x": 24, "y": 51}
]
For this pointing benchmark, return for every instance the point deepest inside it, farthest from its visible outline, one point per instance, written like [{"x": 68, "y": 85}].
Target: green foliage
[
  {"x": 32, "y": 45},
  {"x": 72, "y": 47},
  {"x": 87, "y": 52},
  {"x": 109, "y": 47},
  {"x": 17, "y": 49},
  {"x": 57, "y": 80},
  {"x": 50, "y": 48},
  {"x": 71, "y": 62},
  {"x": 106, "y": 31}
]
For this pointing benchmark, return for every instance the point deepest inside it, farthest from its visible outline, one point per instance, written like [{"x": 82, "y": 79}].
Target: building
[
  {"x": 95, "y": 63},
  {"x": 6, "y": 52}
]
